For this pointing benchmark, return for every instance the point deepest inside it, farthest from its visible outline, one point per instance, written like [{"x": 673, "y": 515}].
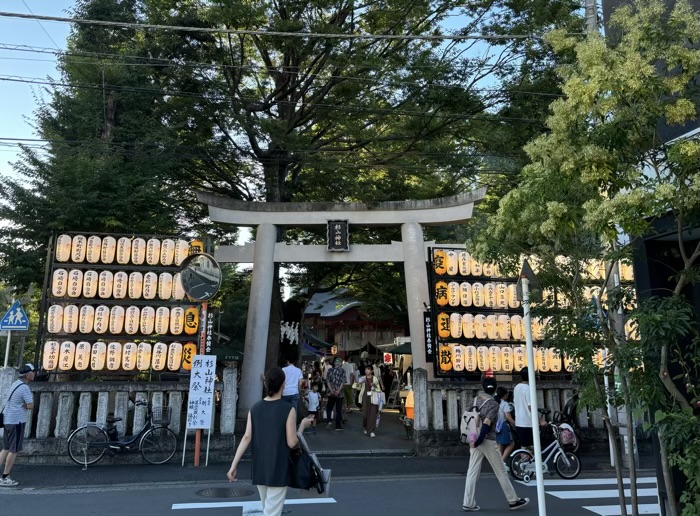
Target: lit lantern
[
  {"x": 443, "y": 324},
  {"x": 123, "y": 250},
  {"x": 441, "y": 293},
  {"x": 464, "y": 268},
  {"x": 91, "y": 281},
  {"x": 568, "y": 363},
  {"x": 165, "y": 285},
  {"x": 195, "y": 247},
  {"x": 59, "y": 283},
  {"x": 192, "y": 321},
  {"x": 67, "y": 356},
  {"x": 105, "y": 283},
  {"x": 541, "y": 360},
  {"x": 121, "y": 285},
  {"x": 475, "y": 266},
  {"x": 480, "y": 326},
  {"x": 116, "y": 320},
  {"x": 162, "y": 320},
  {"x": 94, "y": 250},
  {"x": 177, "y": 320},
  {"x": 470, "y": 358},
  {"x": 153, "y": 251},
  {"x": 599, "y": 358},
  {"x": 109, "y": 248},
  {"x": 178, "y": 290},
  {"x": 445, "y": 358},
  {"x": 101, "y": 319},
  {"x": 182, "y": 249},
  {"x": 513, "y": 296},
  {"x": 70, "y": 319},
  {"x": 174, "y": 356},
  {"x": 78, "y": 248},
  {"x": 143, "y": 356},
  {"x": 496, "y": 271},
  {"x": 160, "y": 356},
  {"x": 452, "y": 262},
  {"x": 501, "y": 295},
  {"x": 495, "y": 358},
  {"x": 492, "y": 327},
  {"x": 487, "y": 269},
  {"x": 455, "y": 326},
  {"x": 86, "y": 319},
  {"x": 132, "y": 320},
  {"x": 490, "y": 295},
  {"x": 626, "y": 272},
  {"x": 98, "y": 355},
  {"x": 189, "y": 350},
  {"x": 453, "y": 293},
  {"x": 148, "y": 317},
  {"x": 150, "y": 285},
  {"x": 129, "y": 354},
  {"x": 519, "y": 358},
  {"x": 54, "y": 319},
  {"x": 439, "y": 262},
  {"x": 482, "y": 358},
  {"x": 468, "y": 326},
  {"x": 507, "y": 359},
  {"x": 554, "y": 359},
  {"x": 63, "y": 247},
  {"x": 536, "y": 328},
  {"x": 167, "y": 251},
  {"x": 631, "y": 330},
  {"x": 478, "y": 294},
  {"x": 138, "y": 251},
  {"x": 516, "y": 325},
  {"x": 82, "y": 354},
  {"x": 135, "y": 285},
  {"x": 49, "y": 359},
  {"x": 114, "y": 356},
  {"x": 457, "y": 357},
  {"x": 465, "y": 294},
  {"x": 75, "y": 283},
  {"x": 504, "y": 327}
]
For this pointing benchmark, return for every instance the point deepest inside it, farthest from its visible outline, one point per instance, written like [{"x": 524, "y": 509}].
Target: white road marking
[
  {"x": 248, "y": 507},
  {"x": 601, "y": 493},
  {"x": 614, "y": 510},
  {"x": 588, "y": 482}
]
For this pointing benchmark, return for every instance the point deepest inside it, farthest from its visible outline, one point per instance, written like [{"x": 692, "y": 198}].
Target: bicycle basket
[
  {"x": 566, "y": 436},
  {"x": 161, "y": 416}
]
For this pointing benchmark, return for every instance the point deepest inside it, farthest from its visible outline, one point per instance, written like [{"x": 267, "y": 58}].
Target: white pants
[
  {"x": 489, "y": 450},
  {"x": 272, "y": 499}
]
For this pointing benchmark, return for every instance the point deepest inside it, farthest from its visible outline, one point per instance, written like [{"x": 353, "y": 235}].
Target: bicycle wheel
[
  {"x": 158, "y": 445},
  {"x": 87, "y": 444},
  {"x": 567, "y": 465},
  {"x": 518, "y": 459}
]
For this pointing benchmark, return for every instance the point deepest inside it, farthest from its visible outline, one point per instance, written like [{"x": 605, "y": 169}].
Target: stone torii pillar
[{"x": 411, "y": 216}]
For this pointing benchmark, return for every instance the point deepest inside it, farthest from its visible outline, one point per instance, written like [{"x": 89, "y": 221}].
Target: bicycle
[
  {"x": 566, "y": 463},
  {"x": 156, "y": 442}
]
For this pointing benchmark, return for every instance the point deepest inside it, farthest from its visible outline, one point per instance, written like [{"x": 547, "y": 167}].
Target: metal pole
[
  {"x": 606, "y": 381},
  {"x": 7, "y": 347},
  {"x": 184, "y": 446},
  {"x": 202, "y": 344},
  {"x": 541, "y": 503}
]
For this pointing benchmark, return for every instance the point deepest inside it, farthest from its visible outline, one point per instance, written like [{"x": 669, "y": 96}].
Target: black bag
[
  {"x": 307, "y": 472},
  {"x": 2, "y": 412}
]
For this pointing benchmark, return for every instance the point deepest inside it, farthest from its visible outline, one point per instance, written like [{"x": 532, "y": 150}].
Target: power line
[{"x": 41, "y": 25}]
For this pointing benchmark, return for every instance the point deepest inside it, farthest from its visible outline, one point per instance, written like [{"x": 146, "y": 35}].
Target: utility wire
[{"x": 42, "y": 26}]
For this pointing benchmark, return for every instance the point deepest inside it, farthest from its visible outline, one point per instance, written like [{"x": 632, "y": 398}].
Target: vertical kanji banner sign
[{"x": 200, "y": 407}]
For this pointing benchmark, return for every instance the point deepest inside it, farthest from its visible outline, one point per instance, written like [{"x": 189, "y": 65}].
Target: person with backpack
[{"x": 480, "y": 425}]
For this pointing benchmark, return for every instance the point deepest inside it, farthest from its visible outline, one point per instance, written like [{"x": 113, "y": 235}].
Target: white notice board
[{"x": 200, "y": 406}]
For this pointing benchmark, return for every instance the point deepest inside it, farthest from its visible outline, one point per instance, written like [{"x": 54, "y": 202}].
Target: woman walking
[
  {"x": 505, "y": 419},
  {"x": 369, "y": 396},
  {"x": 271, "y": 428}
]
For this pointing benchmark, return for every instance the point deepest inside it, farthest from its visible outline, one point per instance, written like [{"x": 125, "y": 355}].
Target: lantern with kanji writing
[
  {"x": 101, "y": 319},
  {"x": 160, "y": 356},
  {"x": 93, "y": 249},
  {"x": 54, "y": 319},
  {"x": 121, "y": 285},
  {"x": 67, "y": 355},
  {"x": 63, "y": 248},
  {"x": 506, "y": 359},
  {"x": 135, "y": 285},
  {"x": 439, "y": 262},
  {"x": 541, "y": 361},
  {"x": 516, "y": 327},
  {"x": 91, "y": 281},
  {"x": 468, "y": 326},
  {"x": 513, "y": 296},
  {"x": 177, "y": 320},
  {"x": 150, "y": 285},
  {"x": 470, "y": 358},
  {"x": 445, "y": 358},
  {"x": 503, "y": 327},
  {"x": 478, "y": 294},
  {"x": 191, "y": 321},
  {"x": 162, "y": 320},
  {"x": 569, "y": 363},
  {"x": 519, "y": 358},
  {"x": 123, "y": 250},
  {"x": 492, "y": 327},
  {"x": 464, "y": 259},
  {"x": 457, "y": 357},
  {"x": 631, "y": 330},
  {"x": 182, "y": 249},
  {"x": 114, "y": 356},
  {"x": 178, "y": 290},
  {"x": 443, "y": 324},
  {"x": 554, "y": 359},
  {"x": 49, "y": 359},
  {"x": 132, "y": 320},
  {"x": 167, "y": 251},
  {"x": 86, "y": 319},
  {"x": 70, "y": 319},
  {"x": 109, "y": 248},
  {"x": 98, "y": 355},
  {"x": 75, "y": 283},
  {"x": 165, "y": 285},
  {"x": 495, "y": 358},
  {"x": 78, "y": 248},
  {"x": 626, "y": 272},
  {"x": 451, "y": 262},
  {"x": 59, "y": 283},
  {"x": 455, "y": 326},
  {"x": 196, "y": 247},
  {"x": 174, "y": 356},
  {"x": 129, "y": 356},
  {"x": 480, "y": 326},
  {"x": 148, "y": 318},
  {"x": 189, "y": 350},
  {"x": 496, "y": 271},
  {"x": 116, "y": 319},
  {"x": 482, "y": 358},
  {"x": 143, "y": 356},
  {"x": 501, "y": 295},
  {"x": 105, "y": 284},
  {"x": 441, "y": 293},
  {"x": 487, "y": 269},
  {"x": 453, "y": 297},
  {"x": 465, "y": 293},
  {"x": 475, "y": 266},
  {"x": 138, "y": 251},
  {"x": 82, "y": 354},
  {"x": 490, "y": 295},
  {"x": 153, "y": 251}
]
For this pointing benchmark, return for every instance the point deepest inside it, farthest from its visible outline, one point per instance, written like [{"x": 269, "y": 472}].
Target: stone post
[
  {"x": 64, "y": 417},
  {"x": 420, "y": 399},
  {"x": 228, "y": 401},
  {"x": 416, "y": 288}
]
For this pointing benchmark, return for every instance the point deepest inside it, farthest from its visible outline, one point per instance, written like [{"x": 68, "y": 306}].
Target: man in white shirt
[
  {"x": 15, "y": 418},
  {"x": 292, "y": 381},
  {"x": 523, "y": 409}
]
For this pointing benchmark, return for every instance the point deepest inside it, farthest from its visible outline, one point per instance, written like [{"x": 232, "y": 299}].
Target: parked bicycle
[{"x": 156, "y": 442}]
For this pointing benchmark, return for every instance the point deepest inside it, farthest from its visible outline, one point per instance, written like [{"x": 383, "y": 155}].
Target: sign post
[
  {"x": 200, "y": 404},
  {"x": 14, "y": 319}
]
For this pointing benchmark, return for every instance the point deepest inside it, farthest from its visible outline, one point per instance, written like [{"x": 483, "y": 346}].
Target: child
[{"x": 314, "y": 399}]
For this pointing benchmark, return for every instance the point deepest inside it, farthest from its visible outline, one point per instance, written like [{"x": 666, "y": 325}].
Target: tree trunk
[
  {"x": 630, "y": 444},
  {"x": 668, "y": 479}
]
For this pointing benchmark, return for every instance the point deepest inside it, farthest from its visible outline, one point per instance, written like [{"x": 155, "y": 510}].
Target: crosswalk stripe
[
  {"x": 595, "y": 481},
  {"x": 248, "y": 505},
  {"x": 614, "y": 510},
  {"x": 601, "y": 493}
]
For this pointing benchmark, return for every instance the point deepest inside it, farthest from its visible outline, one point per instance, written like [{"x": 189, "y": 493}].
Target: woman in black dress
[{"x": 271, "y": 428}]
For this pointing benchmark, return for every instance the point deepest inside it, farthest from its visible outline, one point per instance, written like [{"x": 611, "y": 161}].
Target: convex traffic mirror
[{"x": 201, "y": 277}]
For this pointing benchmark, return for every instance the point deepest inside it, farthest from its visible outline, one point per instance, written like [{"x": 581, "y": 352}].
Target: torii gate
[{"x": 410, "y": 215}]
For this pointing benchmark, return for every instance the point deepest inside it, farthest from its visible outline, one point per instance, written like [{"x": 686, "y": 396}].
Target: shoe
[
  {"x": 471, "y": 509},
  {"x": 372, "y": 434},
  {"x": 338, "y": 429},
  {"x": 8, "y": 482},
  {"x": 522, "y": 502},
  {"x": 365, "y": 431},
  {"x": 313, "y": 430},
  {"x": 329, "y": 425}
]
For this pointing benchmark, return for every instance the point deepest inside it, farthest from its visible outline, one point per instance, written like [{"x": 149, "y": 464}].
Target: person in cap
[
  {"x": 336, "y": 381},
  {"x": 15, "y": 419},
  {"x": 485, "y": 446}
]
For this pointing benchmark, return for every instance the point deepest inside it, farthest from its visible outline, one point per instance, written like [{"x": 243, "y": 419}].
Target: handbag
[
  {"x": 306, "y": 471},
  {"x": 2, "y": 412}
]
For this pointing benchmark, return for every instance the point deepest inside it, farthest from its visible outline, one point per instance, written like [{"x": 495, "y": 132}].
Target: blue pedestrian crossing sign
[{"x": 15, "y": 319}]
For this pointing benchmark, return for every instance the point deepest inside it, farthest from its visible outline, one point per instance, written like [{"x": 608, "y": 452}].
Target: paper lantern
[
  {"x": 195, "y": 247},
  {"x": 160, "y": 356},
  {"x": 439, "y": 262},
  {"x": 189, "y": 350},
  {"x": 495, "y": 271},
  {"x": 516, "y": 327},
  {"x": 177, "y": 320},
  {"x": 123, "y": 250},
  {"x": 63, "y": 248},
  {"x": 138, "y": 251},
  {"x": 443, "y": 324},
  {"x": 507, "y": 359},
  {"x": 554, "y": 359},
  {"x": 457, "y": 357},
  {"x": 78, "y": 248},
  {"x": 165, "y": 285},
  {"x": 191, "y": 321},
  {"x": 468, "y": 326},
  {"x": 542, "y": 364},
  {"x": 132, "y": 320},
  {"x": 465, "y": 294},
  {"x": 451, "y": 262},
  {"x": 75, "y": 283},
  {"x": 599, "y": 358},
  {"x": 455, "y": 326},
  {"x": 501, "y": 295},
  {"x": 482, "y": 358},
  {"x": 150, "y": 285},
  {"x": 453, "y": 296},
  {"x": 480, "y": 326},
  {"x": 49, "y": 359},
  {"x": 162, "y": 320},
  {"x": 148, "y": 318},
  {"x": 167, "y": 252},
  {"x": 464, "y": 260},
  {"x": 91, "y": 281},
  {"x": 470, "y": 358},
  {"x": 487, "y": 269},
  {"x": 626, "y": 272},
  {"x": 178, "y": 290},
  {"x": 519, "y": 358},
  {"x": 109, "y": 249},
  {"x": 101, "y": 319},
  {"x": 513, "y": 296},
  {"x": 121, "y": 285},
  {"x": 445, "y": 358},
  {"x": 114, "y": 356},
  {"x": 59, "y": 283},
  {"x": 67, "y": 356},
  {"x": 475, "y": 266},
  {"x": 495, "y": 358},
  {"x": 93, "y": 250},
  {"x": 135, "y": 285},
  {"x": 153, "y": 251},
  {"x": 86, "y": 319},
  {"x": 490, "y": 295},
  {"x": 82, "y": 353},
  {"x": 182, "y": 249},
  {"x": 98, "y": 355},
  {"x": 631, "y": 330},
  {"x": 174, "y": 356},
  {"x": 143, "y": 356},
  {"x": 569, "y": 363},
  {"x": 105, "y": 284},
  {"x": 54, "y": 319},
  {"x": 129, "y": 355},
  {"x": 536, "y": 325},
  {"x": 492, "y": 327},
  {"x": 478, "y": 294},
  {"x": 116, "y": 319},
  {"x": 503, "y": 327},
  {"x": 441, "y": 293},
  {"x": 70, "y": 319}
]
